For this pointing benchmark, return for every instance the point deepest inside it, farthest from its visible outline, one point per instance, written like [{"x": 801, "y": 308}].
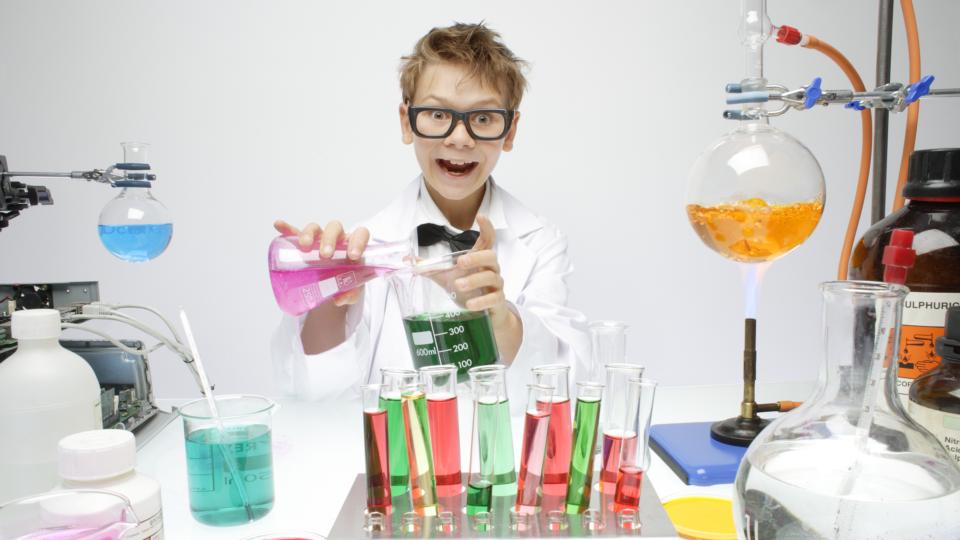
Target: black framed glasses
[{"x": 439, "y": 123}]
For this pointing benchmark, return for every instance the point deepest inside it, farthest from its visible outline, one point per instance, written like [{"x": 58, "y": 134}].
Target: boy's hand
[
  {"x": 327, "y": 239},
  {"x": 486, "y": 277}
]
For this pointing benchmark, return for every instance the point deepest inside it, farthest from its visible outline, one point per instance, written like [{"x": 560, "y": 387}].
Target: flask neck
[{"x": 861, "y": 324}]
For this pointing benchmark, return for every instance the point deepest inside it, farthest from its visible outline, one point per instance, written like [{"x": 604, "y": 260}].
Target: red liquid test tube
[
  {"x": 440, "y": 383},
  {"x": 534, "y": 450},
  {"x": 559, "y": 435},
  {"x": 634, "y": 459},
  {"x": 376, "y": 450}
]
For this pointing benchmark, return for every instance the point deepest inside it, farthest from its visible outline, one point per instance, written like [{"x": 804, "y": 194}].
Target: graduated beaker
[
  {"x": 849, "y": 462},
  {"x": 229, "y": 459},
  {"x": 80, "y": 514},
  {"x": 302, "y": 279},
  {"x": 439, "y": 327}
]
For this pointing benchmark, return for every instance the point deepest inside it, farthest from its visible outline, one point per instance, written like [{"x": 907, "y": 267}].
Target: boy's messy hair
[{"x": 474, "y": 46}]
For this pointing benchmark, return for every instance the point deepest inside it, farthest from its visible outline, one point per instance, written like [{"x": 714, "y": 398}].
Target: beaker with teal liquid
[
  {"x": 229, "y": 459},
  {"x": 440, "y": 329}
]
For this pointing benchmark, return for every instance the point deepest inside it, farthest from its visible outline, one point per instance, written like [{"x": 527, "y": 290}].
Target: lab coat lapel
[
  {"x": 511, "y": 220},
  {"x": 513, "y": 223}
]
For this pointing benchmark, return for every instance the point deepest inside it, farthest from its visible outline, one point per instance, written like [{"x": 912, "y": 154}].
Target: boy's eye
[
  {"x": 481, "y": 119},
  {"x": 438, "y": 115}
]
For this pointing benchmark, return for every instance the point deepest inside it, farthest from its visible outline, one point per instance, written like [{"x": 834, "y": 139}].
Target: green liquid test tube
[
  {"x": 494, "y": 425},
  {"x": 392, "y": 383},
  {"x": 483, "y": 447},
  {"x": 423, "y": 488},
  {"x": 587, "y": 414}
]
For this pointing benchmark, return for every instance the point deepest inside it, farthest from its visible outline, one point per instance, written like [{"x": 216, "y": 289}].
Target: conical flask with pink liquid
[{"x": 302, "y": 279}]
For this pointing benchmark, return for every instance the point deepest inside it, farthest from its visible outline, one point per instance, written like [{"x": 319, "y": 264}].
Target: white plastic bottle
[
  {"x": 46, "y": 393},
  {"x": 105, "y": 459}
]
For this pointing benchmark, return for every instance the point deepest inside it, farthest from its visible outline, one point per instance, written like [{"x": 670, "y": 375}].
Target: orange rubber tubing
[
  {"x": 866, "y": 147},
  {"x": 913, "y": 111}
]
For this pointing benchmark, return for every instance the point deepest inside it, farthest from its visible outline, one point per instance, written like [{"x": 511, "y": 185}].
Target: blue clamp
[
  {"x": 132, "y": 183},
  {"x": 918, "y": 89},
  {"x": 749, "y": 97},
  {"x": 855, "y": 105},
  {"x": 812, "y": 93},
  {"x": 132, "y": 166},
  {"x": 734, "y": 88}
]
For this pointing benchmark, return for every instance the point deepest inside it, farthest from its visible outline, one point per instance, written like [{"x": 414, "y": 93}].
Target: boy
[{"x": 461, "y": 90}]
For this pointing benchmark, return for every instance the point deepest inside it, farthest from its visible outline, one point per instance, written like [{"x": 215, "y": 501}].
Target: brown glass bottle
[
  {"x": 935, "y": 395},
  {"x": 933, "y": 214}
]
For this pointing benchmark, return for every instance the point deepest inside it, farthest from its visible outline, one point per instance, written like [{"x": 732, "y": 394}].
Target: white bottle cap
[
  {"x": 96, "y": 455},
  {"x": 35, "y": 324}
]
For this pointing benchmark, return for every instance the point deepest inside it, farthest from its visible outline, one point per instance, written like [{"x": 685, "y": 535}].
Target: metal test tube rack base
[{"x": 652, "y": 518}]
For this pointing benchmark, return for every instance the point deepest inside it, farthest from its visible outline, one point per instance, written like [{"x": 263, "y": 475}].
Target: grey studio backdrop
[{"x": 265, "y": 110}]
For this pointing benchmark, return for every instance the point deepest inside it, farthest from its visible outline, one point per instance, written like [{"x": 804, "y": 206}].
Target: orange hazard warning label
[{"x": 923, "y": 318}]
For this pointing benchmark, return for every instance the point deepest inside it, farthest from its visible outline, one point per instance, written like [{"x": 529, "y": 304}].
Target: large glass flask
[
  {"x": 440, "y": 329},
  {"x": 755, "y": 194},
  {"x": 850, "y": 463},
  {"x": 134, "y": 226}
]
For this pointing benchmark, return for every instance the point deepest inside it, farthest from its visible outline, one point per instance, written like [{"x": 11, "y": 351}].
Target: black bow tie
[{"x": 429, "y": 234}]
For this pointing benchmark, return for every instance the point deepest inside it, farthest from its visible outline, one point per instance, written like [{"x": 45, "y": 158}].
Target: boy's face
[{"x": 458, "y": 165}]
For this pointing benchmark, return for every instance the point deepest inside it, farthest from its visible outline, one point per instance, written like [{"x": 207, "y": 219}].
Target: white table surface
[{"x": 318, "y": 451}]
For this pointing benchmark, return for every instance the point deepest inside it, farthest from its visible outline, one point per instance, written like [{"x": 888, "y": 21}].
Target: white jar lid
[
  {"x": 35, "y": 324},
  {"x": 96, "y": 455}
]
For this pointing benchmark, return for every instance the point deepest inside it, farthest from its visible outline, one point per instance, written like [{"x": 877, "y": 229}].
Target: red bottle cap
[{"x": 898, "y": 256}]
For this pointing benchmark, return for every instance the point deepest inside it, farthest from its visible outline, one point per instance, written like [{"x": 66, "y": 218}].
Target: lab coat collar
[{"x": 399, "y": 219}]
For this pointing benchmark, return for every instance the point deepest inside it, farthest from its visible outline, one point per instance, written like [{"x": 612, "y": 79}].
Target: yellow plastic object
[{"x": 706, "y": 518}]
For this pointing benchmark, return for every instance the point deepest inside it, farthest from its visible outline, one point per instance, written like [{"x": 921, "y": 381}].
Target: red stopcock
[{"x": 898, "y": 256}]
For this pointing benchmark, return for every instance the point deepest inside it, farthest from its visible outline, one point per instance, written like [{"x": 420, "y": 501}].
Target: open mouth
[{"x": 457, "y": 167}]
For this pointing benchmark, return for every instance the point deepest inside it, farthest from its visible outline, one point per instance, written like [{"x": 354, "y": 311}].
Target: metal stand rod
[
  {"x": 741, "y": 430},
  {"x": 881, "y": 117}
]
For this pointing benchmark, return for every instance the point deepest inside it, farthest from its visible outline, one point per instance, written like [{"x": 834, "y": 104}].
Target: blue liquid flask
[{"x": 135, "y": 226}]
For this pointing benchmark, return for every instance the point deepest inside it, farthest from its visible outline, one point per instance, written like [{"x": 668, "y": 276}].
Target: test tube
[
  {"x": 440, "y": 384},
  {"x": 483, "y": 447},
  {"x": 534, "y": 450},
  {"x": 634, "y": 461},
  {"x": 423, "y": 489},
  {"x": 616, "y": 435},
  {"x": 608, "y": 345},
  {"x": 584, "y": 441},
  {"x": 557, "y": 463},
  {"x": 376, "y": 449},
  {"x": 504, "y": 471},
  {"x": 393, "y": 381}
]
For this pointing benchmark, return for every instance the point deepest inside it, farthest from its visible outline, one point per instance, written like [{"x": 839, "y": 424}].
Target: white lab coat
[{"x": 534, "y": 266}]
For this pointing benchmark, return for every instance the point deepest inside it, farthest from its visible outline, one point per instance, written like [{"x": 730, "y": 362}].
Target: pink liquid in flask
[{"x": 302, "y": 280}]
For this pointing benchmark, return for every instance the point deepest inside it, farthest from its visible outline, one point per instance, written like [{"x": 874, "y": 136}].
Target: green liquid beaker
[
  {"x": 230, "y": 463},
  {"x": 439, "y": 328}
]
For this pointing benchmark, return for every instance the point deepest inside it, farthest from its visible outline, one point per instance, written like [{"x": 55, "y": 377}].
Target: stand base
[{"x": 738, "y": 431}]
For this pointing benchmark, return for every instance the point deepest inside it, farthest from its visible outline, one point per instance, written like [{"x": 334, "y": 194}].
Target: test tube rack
[{"x": 599, "y": 521}]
